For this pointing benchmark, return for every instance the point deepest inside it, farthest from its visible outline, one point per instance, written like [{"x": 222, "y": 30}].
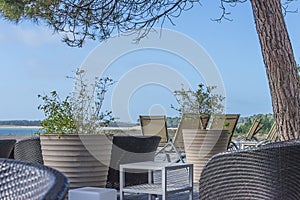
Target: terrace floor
[
  {"x": 157, "y": 179},
  {"x": 179, "y": 196}
]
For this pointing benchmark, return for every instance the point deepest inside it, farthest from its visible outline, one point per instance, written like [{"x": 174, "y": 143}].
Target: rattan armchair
[
  {"x": 6, "y": 148},
  {"x": 130, "y": 149},
  {"x": 23, "y": 180},
  {"x": 29, "y": 149},
  {"x": 268, "y": 172}
]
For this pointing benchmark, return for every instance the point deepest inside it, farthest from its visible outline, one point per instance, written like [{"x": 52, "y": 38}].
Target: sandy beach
[{"x": 9, "y": 126}]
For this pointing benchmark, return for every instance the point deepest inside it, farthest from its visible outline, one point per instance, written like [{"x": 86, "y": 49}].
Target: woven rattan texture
[
  {"x": 6, "y": 147},
  {"x": 130, "y": 149},
  {"x": 268, "y": 172},
  {"x": 29, "y": 150},
  {"x": 24, "y": 181}
]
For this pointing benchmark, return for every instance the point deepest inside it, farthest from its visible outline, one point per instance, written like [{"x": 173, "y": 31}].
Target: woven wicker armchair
[
  {"x": 6, "y": 148},
  {"x": 29, "y": 149},
  {"x": 130, "y": 149},
  {"x": 268, "y": 172},
  {"x": 23, "y": 180}
]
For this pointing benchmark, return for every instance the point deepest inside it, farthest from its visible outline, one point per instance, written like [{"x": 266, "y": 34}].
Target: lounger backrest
[
  {"x": 256, "y": 126},
  {"x": 272, "y": 135},
  {"x": 187, "y": 121},
  {"x": 225, "y": 122},
  {"x": 155, "y": 125}
]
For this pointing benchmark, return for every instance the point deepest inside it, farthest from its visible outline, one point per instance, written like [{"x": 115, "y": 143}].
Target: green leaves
[
  {"x": 80, "y": 113},
  {"x": 59, "y": 117},
  {"x": 202, "y": 101}
]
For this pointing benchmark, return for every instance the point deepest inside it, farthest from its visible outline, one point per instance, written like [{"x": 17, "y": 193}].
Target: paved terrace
[
  {"x": 180, "y": 196},
  {"x": 173, "y": 175}
]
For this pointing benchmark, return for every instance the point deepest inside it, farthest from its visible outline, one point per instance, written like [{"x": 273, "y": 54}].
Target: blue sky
[{"x": 35, "y": 61}]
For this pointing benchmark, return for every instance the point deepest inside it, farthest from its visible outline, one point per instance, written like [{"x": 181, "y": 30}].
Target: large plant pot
[
  {"x": 84, "y": 159},
  {"x": 200, "y": 145}
]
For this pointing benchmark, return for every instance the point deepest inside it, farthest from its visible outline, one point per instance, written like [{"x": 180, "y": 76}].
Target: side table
[{"x": 182, "y": 182}]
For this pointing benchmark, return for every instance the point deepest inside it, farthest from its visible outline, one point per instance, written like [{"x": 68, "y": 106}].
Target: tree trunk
[{"x": 280, "y": 66}]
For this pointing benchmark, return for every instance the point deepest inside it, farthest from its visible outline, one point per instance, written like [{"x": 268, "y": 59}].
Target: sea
[{"x": 18, "y": 130}]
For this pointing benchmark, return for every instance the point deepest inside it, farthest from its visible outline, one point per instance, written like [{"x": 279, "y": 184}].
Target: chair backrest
[
  {"x": 6, "y": 147},
  {"x": 254, "y": 129},
  {"x": 188, "y": 121},
  {"x": 225, "y": 122},
  {"x": 267, "y": 172},
  {"x": 273, "y": 134},
  {"x": 29, "y": 149},
  {"x": 24, "y": 180},
  {"x": 130, "y": 149},
  {"x": 155, "y": 125}
]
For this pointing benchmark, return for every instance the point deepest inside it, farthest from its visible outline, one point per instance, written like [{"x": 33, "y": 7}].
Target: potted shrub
[
  {"x": 71, "y": 138},
  {"x": 201, "y": 144}
]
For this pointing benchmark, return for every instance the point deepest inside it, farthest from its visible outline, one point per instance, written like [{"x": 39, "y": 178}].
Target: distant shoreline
[{"x": 10, "y": 126}]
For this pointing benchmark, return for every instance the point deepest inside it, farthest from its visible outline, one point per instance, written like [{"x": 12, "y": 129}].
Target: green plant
[
  {"x": 80, "y": 113},
  {"x": 87, "y": 101},
  {"x": 58, "y": 113},
  {"x": 201, "y": 101}
]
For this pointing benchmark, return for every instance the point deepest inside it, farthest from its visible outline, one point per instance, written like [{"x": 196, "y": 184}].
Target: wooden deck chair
[
  {"x": 188, "y": 121},
  {"x": 155, "y": 125},
  {"x": 225, "y": 122},
  {"x": 254, "y": 129},
  {"x": 250, "y": 140},
  {"x": 273, "y": 133},
  {"x": 272, "y": 136}
]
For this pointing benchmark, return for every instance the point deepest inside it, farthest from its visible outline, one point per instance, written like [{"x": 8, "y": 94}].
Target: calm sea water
[{"x": 17, "y": 131}]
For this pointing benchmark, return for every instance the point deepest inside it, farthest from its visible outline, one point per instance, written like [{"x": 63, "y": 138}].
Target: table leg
[
  {"x": 122, "y": 180},
  {"x": 164, "y": 183},
  {"x": 191, "y": 195},
  {"x": 191, "y": 181},
  {"x": 150, "y": 182}
]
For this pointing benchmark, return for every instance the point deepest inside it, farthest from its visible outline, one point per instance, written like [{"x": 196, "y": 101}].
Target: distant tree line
[
  {"x": 245, "y": 123},
  {"x": 20, "y": 123}
]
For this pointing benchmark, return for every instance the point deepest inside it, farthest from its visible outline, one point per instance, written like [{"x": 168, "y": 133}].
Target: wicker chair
[
  {"x": 29, "y": 150},
  {"x": 268, "y": 172},
  {"x": 6, "y": 148},
  {"x": 23, "y": 180},
  {"x": 130, "y": 149}
]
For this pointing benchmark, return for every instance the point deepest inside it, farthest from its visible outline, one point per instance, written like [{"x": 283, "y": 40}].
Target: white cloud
[{"x": 28, "y": 34}]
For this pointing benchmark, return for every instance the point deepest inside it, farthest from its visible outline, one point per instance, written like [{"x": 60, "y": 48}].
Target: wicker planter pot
[
  {"x": 84, "y": 159},
  {"x": 200, "y": 145}
]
